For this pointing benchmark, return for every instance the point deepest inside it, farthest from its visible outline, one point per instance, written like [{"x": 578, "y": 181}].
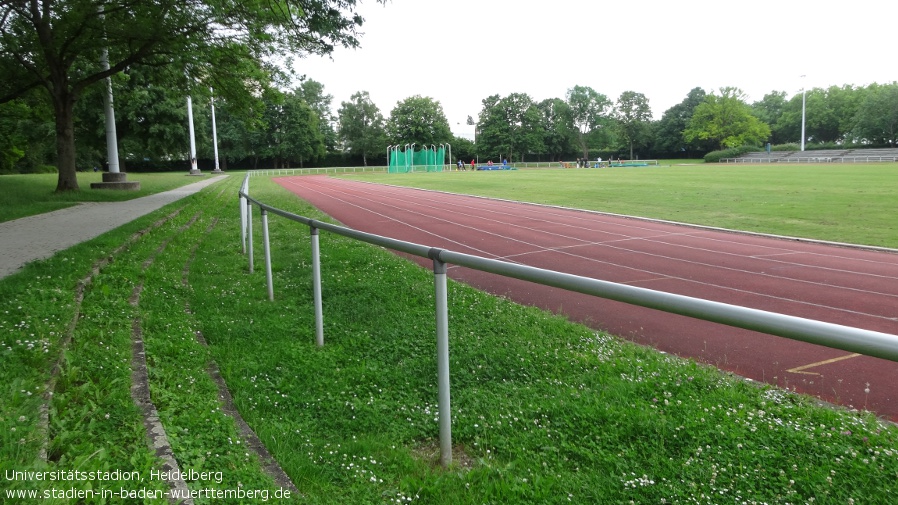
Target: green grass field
[
  {"x": 843, "y": 203},
  {"x": 544, "y": 411},
  {"x": 26, "y": 195}
]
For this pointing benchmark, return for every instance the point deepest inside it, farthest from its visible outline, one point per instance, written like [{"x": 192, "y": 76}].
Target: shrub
[
  {"x": 716, "y": 156},
  {"x": 786, "y": 147}
]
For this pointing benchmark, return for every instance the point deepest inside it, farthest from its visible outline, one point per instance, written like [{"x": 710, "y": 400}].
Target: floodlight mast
[
  {"x": 214, "y": 130},
  {"x": 193, "y": 168},
  {"x": 109, "y": 110},
  {"x": 802, "y": 112}
]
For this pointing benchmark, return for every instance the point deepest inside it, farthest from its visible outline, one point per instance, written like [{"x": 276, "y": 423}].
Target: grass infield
[
  {"x": 852, "y": 203},
  {"x": 544, "y": 411}
]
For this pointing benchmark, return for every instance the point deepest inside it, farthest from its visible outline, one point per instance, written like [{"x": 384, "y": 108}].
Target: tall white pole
[
  {"x": 214, "y": 131},
  {"x": 111, "y": 137},
  {"x": 802, "y": 112},
  {"x": 193, "y": 167}
]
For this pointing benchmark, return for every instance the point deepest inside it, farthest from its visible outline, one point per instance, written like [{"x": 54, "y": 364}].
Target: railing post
[
  {"x": 249, "y": 231},
  {"x": 243, "y": 224},
  {"x": 316, "y": 288},
  {"x": 442, "y": 319},
  {"x": 266, "y": 246}
]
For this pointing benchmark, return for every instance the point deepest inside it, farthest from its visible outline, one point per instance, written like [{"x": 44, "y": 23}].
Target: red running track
[{"x": 848, "y": 286}]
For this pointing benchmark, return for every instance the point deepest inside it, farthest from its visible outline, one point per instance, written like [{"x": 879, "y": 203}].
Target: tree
[
  {"x": 590, "y": 111},
  {"x": 510, "y": 126},
  {"x": 829, "y": 115},
  {"x": 877, "y": 115},
  {"x": 419, "y": 120},
  {"x": 634, "y": 118},
  {"x": 557, "y": 126},
  {"x": 57, "y": 44},
  {"x": 727, "y": 120},
  {"x": 769, "y": 109},
  {"x": 669, "y": 131},
  {"x": 361, "y": 126},
  {"x": 291, "y": 130},
  {"x": 313, "y": 93},
  {"x": 12, "y": 138}
]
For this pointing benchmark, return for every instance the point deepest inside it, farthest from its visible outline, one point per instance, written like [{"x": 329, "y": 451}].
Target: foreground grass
[
  {"x": 852, "y": 203},
  {"x": 544, "y": 411},
  {"x": 27, "y": 195}
]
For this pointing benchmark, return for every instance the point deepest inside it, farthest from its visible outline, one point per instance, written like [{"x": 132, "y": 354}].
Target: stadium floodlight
[
  {"x": 193, "y": 166},
  {"x": 214, "y": 131},
  {"x": 802, "y": 111},
  {"x": 108, "y": 109}
]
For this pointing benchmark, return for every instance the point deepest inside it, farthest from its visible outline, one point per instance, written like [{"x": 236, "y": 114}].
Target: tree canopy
[
  {"x": 727, "y": 120},
  {"x": 56, "y": 45},
  {"x": 509, "y": 127},
  {"x": 634, "y": 117},
  {"x": 419, "y": 120},
  {"x": 590, "y": 111},
  {"x": 362, "y": 126}
]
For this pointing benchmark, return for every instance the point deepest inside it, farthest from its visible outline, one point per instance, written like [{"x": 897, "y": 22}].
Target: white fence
[{"x": 310, "y": 171}]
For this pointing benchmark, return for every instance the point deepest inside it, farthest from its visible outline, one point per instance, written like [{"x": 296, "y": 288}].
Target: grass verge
[
  {"x": 27, "y": 195},
  {"x": 544, "y": 411}
]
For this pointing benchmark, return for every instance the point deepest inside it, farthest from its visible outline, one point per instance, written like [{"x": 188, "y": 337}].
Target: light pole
[
  {"x": 193, "y": 166},
  {"x": 802, "y": 112},
  {"x": 214, "y": 131}
]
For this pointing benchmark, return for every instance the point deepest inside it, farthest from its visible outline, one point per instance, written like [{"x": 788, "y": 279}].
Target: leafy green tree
[
  {"x": 668, "y": 133},
  {"x": 769, "y": 109},
  {"x": 56, "y": 45},
  {"x": 291, "y": 131},
  {"x": 313, "y": 93},
  {"x": 419, "y": 120},
  {"x": 829, "y": 115},
  {"x": 634, "y": 117},
  {"x": 590, "y": 111},
  {"x": 877, "y": 116},
  {"x": 12, "y": 138},
  {"x": 463, "y": 149},
  {"x": 727, "y": 120},
  {"x": 510, "y": 127},
  {"x": 362, "y": 126},
  {"x": 235, "y": 133},
  {"x": 558, "y": 127}
]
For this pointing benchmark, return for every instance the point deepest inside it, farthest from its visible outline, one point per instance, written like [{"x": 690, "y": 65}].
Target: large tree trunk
[{"x": 65, "y": 141}]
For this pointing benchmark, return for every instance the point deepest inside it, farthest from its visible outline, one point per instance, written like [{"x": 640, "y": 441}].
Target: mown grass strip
[
  {"x": 853, "y": 203},
  {"x": 94, "y": 424},
  {"x": 27, "y": 195},
  {"x": 545, "y": 411}
]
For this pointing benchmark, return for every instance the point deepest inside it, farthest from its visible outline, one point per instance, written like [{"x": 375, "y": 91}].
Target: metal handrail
[{"x": 868, "y": 342}]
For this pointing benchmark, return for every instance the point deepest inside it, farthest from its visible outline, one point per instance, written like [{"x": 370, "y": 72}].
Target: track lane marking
[{"x": 801, "y": 369}]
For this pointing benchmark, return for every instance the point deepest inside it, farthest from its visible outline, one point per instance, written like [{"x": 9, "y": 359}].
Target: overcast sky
[{"x": 459, "y": 52}]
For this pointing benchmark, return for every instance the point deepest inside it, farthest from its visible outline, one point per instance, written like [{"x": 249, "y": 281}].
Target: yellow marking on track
[{"x": 801, "y": 369}]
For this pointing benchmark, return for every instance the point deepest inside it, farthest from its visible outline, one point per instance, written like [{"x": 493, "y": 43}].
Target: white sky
[{"x": 461, "y": 51}]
